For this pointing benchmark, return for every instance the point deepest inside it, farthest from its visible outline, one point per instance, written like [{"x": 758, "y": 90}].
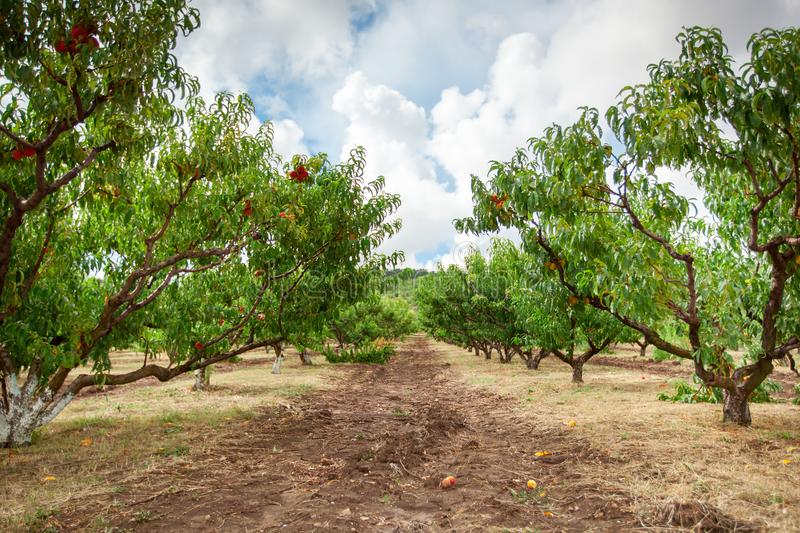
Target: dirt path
[{"x": 368, "y": 455}]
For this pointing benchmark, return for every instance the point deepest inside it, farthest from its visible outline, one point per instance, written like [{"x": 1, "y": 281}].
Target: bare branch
[
  {"x": 14, "y": 137},
  {"x": 58, "y": 79},
  {"x": 31, "y": 277},
  {"x": 160, "y": 372}
]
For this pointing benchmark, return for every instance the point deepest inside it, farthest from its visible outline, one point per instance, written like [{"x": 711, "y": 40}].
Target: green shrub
[
  {"x": 699, "y": 393},
  {"x": 661, "y": 355},
  {"x": 687, "y": 393},
  {"x": 763, "y": 393},
  {"x": 368, "y": 354}
]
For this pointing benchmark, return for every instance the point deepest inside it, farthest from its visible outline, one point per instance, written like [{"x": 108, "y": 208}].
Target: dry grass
[
  {"x": 666, "y": 452},
  {"x": 101, "y": 440}
]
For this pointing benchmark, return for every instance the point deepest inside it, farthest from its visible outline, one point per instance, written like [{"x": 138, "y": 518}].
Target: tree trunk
[
  {"x": 305, "y": 357},
  {"x": 505, "y": 355},
  {"x": 735, "y": 407},
  {"x": 533, "y": 362},
  {"x": 15, "y": 431},
  {"x": 642, "y": 349},
  {"x": 202, "y": 379},
  {"x": 26, "y": 409},
  {"x": 577, "y": 371},
  {"x": 276, "y": 366},
  {"x": 487, "y": 352}
]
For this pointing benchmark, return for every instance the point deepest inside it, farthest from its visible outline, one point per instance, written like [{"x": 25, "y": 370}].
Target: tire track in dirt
[{"x": 368, "y": 455}]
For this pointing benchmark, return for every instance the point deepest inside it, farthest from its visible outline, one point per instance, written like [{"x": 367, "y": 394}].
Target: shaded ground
[
  {"x": 674, "y": 369},
  {"x": 368, "y": 455},
  {"x": 662, "y": 368}
]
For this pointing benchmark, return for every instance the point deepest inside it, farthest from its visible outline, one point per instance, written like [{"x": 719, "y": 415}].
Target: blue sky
[{"x": 435, "y": 89}]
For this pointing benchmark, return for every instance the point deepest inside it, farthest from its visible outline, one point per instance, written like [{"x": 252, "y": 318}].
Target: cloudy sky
[{"x": 435, "y": 89}]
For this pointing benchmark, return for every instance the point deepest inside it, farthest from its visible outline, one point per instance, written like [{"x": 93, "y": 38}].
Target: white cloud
[
  {"x": 240, "y": 42},
  {"x": 470, "y": 130},
  {"x": 394, "y": 131},
  {"x": 272, "y": 105},
  {"x": 448, "y": 85},
  {"x": 288, "y": 139}
]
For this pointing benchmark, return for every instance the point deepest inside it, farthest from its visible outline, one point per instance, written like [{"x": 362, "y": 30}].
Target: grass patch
[
  {"x": 172, "y": 417},
  {"x": 39, "y": 521},
  {"x": 178, "y": 450},
  {"x": 482, "y": 380},
  {"x": 524, "y": 497},
  {"x": 294, "y": 391},
  {"x": 143, "y": 516},
  {"x": 89, "y": 423}
]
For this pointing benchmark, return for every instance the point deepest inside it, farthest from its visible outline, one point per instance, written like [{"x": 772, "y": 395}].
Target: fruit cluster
[
  {"x": 79, "y": 35},
  {"x": 299, "y": 174},
  {"x": 22, "y": 153},
  {"x": 499, "y": 201}
]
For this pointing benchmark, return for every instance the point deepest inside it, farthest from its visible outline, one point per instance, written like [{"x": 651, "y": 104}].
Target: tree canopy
[
  {"x": 621, "y": 236},
  {"x": 126, "y": 216}
]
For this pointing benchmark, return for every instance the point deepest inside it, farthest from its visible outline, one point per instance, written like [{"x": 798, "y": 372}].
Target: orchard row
[
  {"x": 613, "y": 251},
  {"x": 130, "y": 221}
]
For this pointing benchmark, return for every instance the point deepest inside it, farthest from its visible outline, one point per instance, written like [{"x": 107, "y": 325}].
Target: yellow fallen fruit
[
  {"x": 542, "y": 454},
  {"x": 548, "y": 514},
  {"x": 786, "y": 461},
  {"x": 86, "y": 442},
  {"x": 571, "y": 423},
  {"x": 531, "y": 484},
  {"x": 48, "y": 478},
  {"x": 543, "y": 494}
]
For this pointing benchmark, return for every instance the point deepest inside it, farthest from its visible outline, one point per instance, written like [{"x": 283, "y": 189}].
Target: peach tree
[
  {"x": 370, "y": 318},
  {"x": 445, "y": 312},
  {"x": 127, "y": 218},
  {"x": 623, "y": 238},
  {"x": 548, "y": 317},
  {"x": 472, "y": 306}
]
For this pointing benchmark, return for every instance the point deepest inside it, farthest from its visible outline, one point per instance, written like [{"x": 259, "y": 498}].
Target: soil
[{"x": 368, "y": 455}]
